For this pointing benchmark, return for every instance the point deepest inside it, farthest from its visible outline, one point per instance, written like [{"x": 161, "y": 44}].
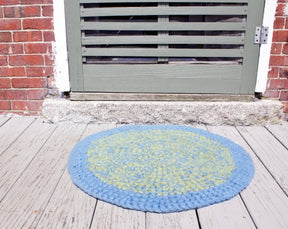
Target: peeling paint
[{"x": 60, "y": 48}]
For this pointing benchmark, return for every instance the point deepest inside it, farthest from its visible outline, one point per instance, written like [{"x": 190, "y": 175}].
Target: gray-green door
[{"x": 164, "y": 46}]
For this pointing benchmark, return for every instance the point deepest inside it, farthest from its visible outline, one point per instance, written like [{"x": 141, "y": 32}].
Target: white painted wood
[
  {"x": 3, "y": 119},
  {"x": 272, "y": 153},
  {"x": 280, "y": 132},
  {"x": 14, "y": 160},
  {"x": 70, "y": 207},
  {"x": 265, "y": 50},
  {"x": 228, "y": 214},
  {"x": 23, "y": 206},
  {"x": 179, "y": 220},
  {"x": 113, "y": 217},
  {"x": 265, "y": 201},
  {"x": 60, "y": 47},
  {"x": 11, "y": 130}
]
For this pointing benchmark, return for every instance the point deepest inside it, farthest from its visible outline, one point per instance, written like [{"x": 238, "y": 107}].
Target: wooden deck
[{"x": 36, "y": 190}]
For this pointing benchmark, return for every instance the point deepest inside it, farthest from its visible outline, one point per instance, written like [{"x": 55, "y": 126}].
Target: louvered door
[{"x": 148, "y": 46}]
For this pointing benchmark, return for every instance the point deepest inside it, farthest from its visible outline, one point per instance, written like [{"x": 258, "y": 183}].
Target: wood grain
[
  {"x": 23, "y": 206},
  {"x": 113, "y": 217},
  {"x": 272, "y": 153},
  {"x": 181, "y": 220},
  {"x": 70, "y": 207},
  {"x": 18, "y": 156},
  {"x": 280, "y": 132},
  {"x": 264, "y": 199},
  {"x": 11, "y": 130}
]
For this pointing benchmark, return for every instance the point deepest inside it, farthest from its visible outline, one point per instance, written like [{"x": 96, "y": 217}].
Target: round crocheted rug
[{"x": 160, "y": 168}]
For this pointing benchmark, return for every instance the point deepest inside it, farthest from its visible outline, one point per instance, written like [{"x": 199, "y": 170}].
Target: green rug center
[{"x": 160, "y": 162}]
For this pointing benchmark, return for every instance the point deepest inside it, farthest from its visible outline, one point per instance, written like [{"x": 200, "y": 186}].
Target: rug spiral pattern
[{"x": 160, "y": 168}]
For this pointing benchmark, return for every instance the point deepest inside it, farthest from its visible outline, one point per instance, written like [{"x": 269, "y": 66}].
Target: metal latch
[{"x": 261, "y": 35}]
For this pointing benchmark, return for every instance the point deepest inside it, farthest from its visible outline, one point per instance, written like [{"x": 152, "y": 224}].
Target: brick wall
[
  {"x": 26, "y": 55},
  {"x": 277, "y": 85}
]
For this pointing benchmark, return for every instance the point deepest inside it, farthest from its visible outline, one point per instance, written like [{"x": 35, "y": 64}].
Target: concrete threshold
[{"x": 260, "y": 112}]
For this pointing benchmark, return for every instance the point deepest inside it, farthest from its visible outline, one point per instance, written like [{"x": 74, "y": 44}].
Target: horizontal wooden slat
[
  {"x": 165, "y": 26},
  {"x": 149, "y": 11},
  {"x": 150, "y": 52},
  {"x": 105, "y": 40},
  {"x": 173, "y": 1},
  {"x": 162, "y": 78}
]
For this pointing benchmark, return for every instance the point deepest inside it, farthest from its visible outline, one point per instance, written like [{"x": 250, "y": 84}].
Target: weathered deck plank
[
  {"x": 181, "y": 220},
  {"x": 272, "y": 153},
  {"x": 229, "y": 214},
  {"x": 11, "y": 130},
  {"x": 113, "y": 217},
  {"x": 18, "y": 156},
  {"x": 23, "y": 206},
  {"x": 280, "y": 132},
  {"x": 226, "y": 215},
  {"x": 39, "y": 193},
  {"x": 264, "y": 199},
  {"x": 69, "y": 206},
  {"x": 3, "y": 119}
]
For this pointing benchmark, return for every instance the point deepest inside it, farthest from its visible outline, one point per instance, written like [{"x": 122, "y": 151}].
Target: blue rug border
[{"x": 89, "y": 183}]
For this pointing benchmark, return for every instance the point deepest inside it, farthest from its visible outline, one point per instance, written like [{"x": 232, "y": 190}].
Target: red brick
[
  {"x": 271, "y": 94},
  {"x": 9, "y": 2},
  {"x": 5, "y": 105},
  {"x": 13, "y": 94},
  {"x": 283, "y": 73},
  {"x": 49, "y": 59},
  {"x": 276, "y": 61},
  {"x": 280, "y": 9},
  {"x": 39, "y": 71},
  {"x": 277, "y": 84},
  {"x": 47, "y": 11},
  {"x": 285, "y": 60},
  {"x": 22, "y": 11},
  {"x": 279, "y": 23},
  {"x": 37, "y": 2},
  {"x": 39, "y": 23},
  {"x": 11, "y": 49},
  {"x": 12, "y": 71},
  {"x": 3, "y": 61},
  {"x": 286, "y": 24},
  {"x": 26, "y": 60},
  {"x": 37, "y": 94},
  {"x": 285, "y": 49},
  {"x": 5, "y": 83},
  {"x": 1, "y": 12},
  {"x": 273, "y": 73},
  {"x": 284, "y": 96},
  {"x": 280, "y": 36},
  {"x": 37, "y": 48},
  {"x": 29, "y": 82},
  {"x": 282, "y": 0},
  {"x": 10, "y": 24},
  {"x": 49, "y": 36},
  {"x": 27, "y": 36},
  {"x": 27, "y": 105},
  {"x": 276, "y": 48},
  {"x": 5, "y": 37}
]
